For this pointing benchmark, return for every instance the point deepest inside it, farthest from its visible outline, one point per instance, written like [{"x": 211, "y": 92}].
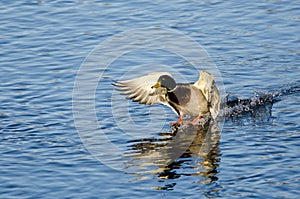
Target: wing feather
[{"x": 139, "y": 89}]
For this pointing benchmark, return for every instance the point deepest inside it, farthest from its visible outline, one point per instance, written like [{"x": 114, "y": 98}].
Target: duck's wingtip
[
  {"x": 118, "y": 83},
  {"x": 115, "y": 83}
]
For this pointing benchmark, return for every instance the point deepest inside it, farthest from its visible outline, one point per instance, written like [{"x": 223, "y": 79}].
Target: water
[{"x": 255, "y": 46}]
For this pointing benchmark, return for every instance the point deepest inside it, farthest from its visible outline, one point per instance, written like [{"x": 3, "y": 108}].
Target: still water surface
[{"x": 255, "y": 46}]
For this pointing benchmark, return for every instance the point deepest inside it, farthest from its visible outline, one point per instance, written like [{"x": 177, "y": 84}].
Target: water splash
[{"x": 262, "y": 100}]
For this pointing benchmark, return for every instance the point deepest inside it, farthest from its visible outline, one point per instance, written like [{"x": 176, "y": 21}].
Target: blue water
[{"x": 255, "y": 47}]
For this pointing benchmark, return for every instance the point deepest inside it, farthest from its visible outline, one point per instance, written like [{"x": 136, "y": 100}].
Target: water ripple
[{"x": 256, "y": 48}]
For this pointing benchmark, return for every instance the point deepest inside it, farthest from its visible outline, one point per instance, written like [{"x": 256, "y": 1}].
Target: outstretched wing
[
  {"x": 207, "y": 85},
  {"x": 139, "y": 89}
]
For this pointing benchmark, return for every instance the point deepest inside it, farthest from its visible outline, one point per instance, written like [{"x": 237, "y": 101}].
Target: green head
[{"x": 165, "y": 81}]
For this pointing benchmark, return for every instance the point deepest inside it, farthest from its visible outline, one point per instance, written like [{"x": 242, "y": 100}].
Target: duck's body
[
  {"x": 180, "y": 100},
  {"x": 194, "y": 99}
]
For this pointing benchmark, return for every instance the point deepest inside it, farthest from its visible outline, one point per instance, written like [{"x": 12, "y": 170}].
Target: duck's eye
[{"x": 163, "y": 79}]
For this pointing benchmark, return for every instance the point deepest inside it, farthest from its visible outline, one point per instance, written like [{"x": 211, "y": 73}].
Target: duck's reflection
[{"x": 186, "y": 151}]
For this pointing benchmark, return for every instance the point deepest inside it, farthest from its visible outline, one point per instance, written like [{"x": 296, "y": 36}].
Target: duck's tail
[{"x": 206, "y": 83}]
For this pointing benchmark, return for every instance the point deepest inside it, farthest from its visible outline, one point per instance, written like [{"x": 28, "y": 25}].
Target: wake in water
[
  {"x": 261, "y": 100},
  {"x": 193, "y": 150}
]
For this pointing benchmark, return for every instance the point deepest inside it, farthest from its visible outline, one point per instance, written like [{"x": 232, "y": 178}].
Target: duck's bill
[{"x": 157, "y": 85}]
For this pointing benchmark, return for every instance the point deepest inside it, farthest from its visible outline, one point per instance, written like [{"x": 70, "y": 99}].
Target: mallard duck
[{"x": 194, "y": 99}]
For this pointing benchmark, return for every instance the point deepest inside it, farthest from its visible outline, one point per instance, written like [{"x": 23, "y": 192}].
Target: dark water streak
[{"x": 234, "y": 106}]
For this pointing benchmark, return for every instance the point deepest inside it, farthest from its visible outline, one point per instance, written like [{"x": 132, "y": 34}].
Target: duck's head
[{"x": 165, "y": 81}]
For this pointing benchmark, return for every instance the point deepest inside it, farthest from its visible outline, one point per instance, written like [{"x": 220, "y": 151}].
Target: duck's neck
[{"x": 172, "y": 90}]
